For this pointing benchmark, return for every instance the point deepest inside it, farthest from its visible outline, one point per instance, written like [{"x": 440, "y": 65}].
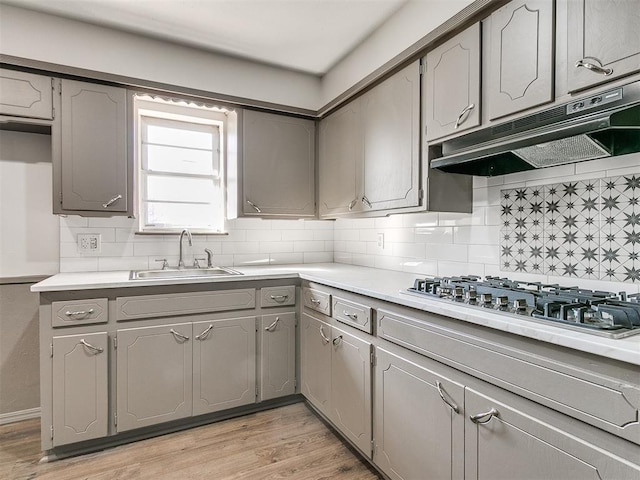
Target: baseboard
[{"x": 20, "y": 415}]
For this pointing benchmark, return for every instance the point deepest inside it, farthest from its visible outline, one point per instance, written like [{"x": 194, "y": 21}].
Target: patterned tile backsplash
[{"x": 584, "y": 229}]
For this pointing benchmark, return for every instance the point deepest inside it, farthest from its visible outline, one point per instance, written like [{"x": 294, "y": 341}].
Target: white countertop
[{"x": 381, "y": 284}]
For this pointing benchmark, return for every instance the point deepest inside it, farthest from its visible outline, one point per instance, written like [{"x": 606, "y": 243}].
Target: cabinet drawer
[
  {"x": 278, "y": 296},
  {"x": 79, "y": 312},
  {"x": 143, "y": 306},
  {"x": 351, "y": 313},
  {"x": 317, "y": 300},
  {"x": 25, "y": 95}
]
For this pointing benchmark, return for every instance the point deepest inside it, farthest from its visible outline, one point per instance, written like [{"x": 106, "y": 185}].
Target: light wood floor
[{"x": 284, "y": 443}]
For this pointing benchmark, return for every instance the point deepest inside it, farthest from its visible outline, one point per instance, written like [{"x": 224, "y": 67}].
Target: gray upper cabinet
[
  {"x": 391, "y": 143},
  {"x": 603, "y": 41},
  {"x": 452, "y": 85},
  {"x": 278, "y": 165},
  {"x": 520, "y": 73},
  {"x": 340, "y": 155},
  {"x": 26, "y": 95},
  {"x": 94, "y": 168}
]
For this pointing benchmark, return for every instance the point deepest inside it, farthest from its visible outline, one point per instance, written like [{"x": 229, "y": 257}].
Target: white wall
[
  {"x": 29, "y": 234},
  {"x": 413, "y": 21},
  {"x": 47, "y": 38},
  {"x": 445, "y": 244}
]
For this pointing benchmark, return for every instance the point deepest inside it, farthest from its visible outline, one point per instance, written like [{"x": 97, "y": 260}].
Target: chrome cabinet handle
[
  {"x": 112, "y": 201},
  {"x": 272, "y": 327},
  {"x": 179, "y": 335},
  {"x": 594, "y": 68},
  {"x": 441, "y": 391},
  {"x": 255, "y": 207},
  {"x": 91, "y": 347},
  {"x": 81, "y": 312},
  {"x": 201, "y": 336},
  {"x": 366, "y": 201},
  {"x": 279, "y": 298},
  {"x": 353, "y": 204},
  {"x": 324, "y": 337},
  {"x": 353, "y": 316},
  {"x": 337, "y": 341},
  {"x": 484, "y": 417},
  {"x": 314, "y": 301},
  {"x": 463, "y": 115}
]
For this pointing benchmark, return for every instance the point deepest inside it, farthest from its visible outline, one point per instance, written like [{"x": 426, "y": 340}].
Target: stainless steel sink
[{"x": 182, "y": 273}]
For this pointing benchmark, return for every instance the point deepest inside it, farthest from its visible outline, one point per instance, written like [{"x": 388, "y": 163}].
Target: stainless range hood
[{"x": 598, "y": 126}]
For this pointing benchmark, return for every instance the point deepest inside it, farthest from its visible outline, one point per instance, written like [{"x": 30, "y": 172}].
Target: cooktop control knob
[
  {"x": 519, "y": 304},
  {"x": 486, "y": 299},
  {"x": 502, "y": 301}
]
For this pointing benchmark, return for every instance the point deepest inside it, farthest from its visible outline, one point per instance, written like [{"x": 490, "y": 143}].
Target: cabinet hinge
[
  {"x": 60, "y": 198},
  {"x": 115, "y": 419},
  {"x": 373, "y": 359},
  {"x": 423, "y": 68},
  {"x": 256, "y": 391},
  {"x": 115, "y": 343},
  {"x": 295, "y": 383},
  {"x": 420, "y": 194},
  {"x": 373, "y": 447},
  {"x": 51, "y": 349},
  {"x": 51, "y": 430}
]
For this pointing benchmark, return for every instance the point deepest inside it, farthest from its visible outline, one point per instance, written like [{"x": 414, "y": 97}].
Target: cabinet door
[
  {"x": 391, "y": 130},
  {"x": 94, "y": 147},
  {"x": 340, "y": 166},
  {"x": 80, "y": 387},
  {"x": 277, "y": 355},
  {"x": 315, "y": 358},
  {"x": 521, "y": 57},
  {"x": 25, "y": 95},
  {"x": 417, "y": 433},
  {"x": 511, "y": 443},
  {"x": 224, "y": 364},
  {"x": 603, "y": 35},
  {"x": 153, "y": 375},
  {"x": 452, "y": 93},
  {"x": 278, "y": 167},
  {"x": 351, "y": 388}
]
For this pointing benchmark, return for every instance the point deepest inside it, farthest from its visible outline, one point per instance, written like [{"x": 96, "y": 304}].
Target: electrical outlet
[
  {"x": 89, "y": 242},
  {"x": 381, "y": 240}
]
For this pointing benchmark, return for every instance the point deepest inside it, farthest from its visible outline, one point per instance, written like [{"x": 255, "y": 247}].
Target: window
[{"x": 181, "y": 161}]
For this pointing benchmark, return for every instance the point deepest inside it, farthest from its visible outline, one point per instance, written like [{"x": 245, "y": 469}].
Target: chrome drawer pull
[
  {"x": 204, "y": 334},
  {"x": 366, "y": 201},
  {"x": 273, "y": 326},
  {"x": 353, "y": 204},
  {"x": 314, "y": 301},
  {"x": 91, "y": 347},
  {"x": 255, "y": 207},
  {"x": 81, "y": 312},
  {"x": 179, "y": 335},
  {"x": 112, "y": 201},
  {"x": 279, "y": 298},
  {"x": 441, "y": 391},
  {"x": 324, "y": 337},
  {"x": 337, "y": 341},
  {"x": 464, "y": 114},
  {"x": 484, "y": 417},
  {"x": 353, "y": 316},
  {"x": 594, "y": 68}
]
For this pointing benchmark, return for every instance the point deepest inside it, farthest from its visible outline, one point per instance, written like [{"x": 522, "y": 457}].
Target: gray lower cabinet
[
  {"x": 25, "y": 95},
  {"x": 418, "y": 421},
  {"x": 507, "y": 440},
  {"x": 154, "y": 375},
  {"x": 336, "y": 378},
  {"x": 451, "y": 96},
  {"x": 278, "y": 165},
  {"x": 520, "y": 68},
  {"x": 224, "y": 364},
  {"x": 277, "y": 334},
  {"x": 80, "y": 387},
  {"x": 603, "y": 41},
  {"x": 91, "y": 161}
]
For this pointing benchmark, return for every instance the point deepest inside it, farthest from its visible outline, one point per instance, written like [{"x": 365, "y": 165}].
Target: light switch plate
[{"x": 89, "y": 243}]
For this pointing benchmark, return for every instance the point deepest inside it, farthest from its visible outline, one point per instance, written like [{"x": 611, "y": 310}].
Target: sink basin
[{"x": 182, "y": 273}]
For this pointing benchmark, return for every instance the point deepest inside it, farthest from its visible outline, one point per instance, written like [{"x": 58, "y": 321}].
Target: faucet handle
[
  {"x": 165, "y": 264},
  {"x": 196, "y": 261},
  {"x": 209, "y": 257}
]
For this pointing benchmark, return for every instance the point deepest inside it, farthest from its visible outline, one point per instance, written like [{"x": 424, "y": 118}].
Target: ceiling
[{"x": 305, "y": 35}]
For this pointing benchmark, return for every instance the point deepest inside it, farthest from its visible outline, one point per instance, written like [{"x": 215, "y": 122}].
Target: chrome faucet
[
  {"x": 209, "y": 257},
  {"x": 180, "y": 260}
]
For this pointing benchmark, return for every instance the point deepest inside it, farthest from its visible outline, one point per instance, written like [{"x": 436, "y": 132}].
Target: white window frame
[{"x": 152, "y": 108}]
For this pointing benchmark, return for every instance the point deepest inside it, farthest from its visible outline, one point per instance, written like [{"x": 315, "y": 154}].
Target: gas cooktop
[{"x": 613, "y": 315}]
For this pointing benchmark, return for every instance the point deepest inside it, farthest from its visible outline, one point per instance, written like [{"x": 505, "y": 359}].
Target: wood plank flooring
[{"x": 284, "y": 443}]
